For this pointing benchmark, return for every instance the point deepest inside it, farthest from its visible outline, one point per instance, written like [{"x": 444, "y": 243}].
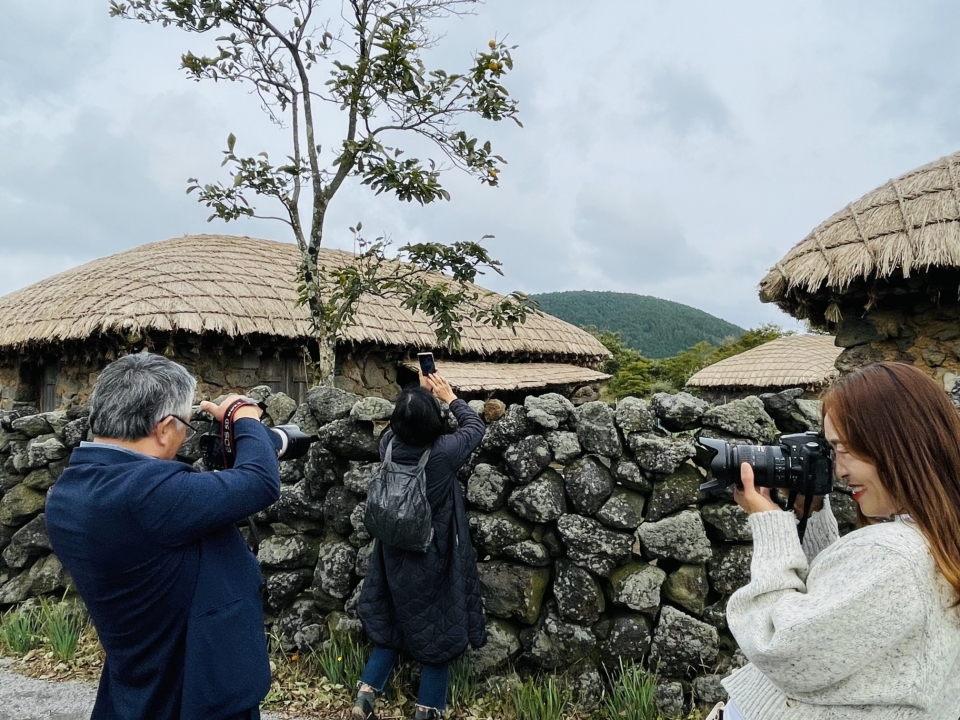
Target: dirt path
[{"x": 23, "y": 698}]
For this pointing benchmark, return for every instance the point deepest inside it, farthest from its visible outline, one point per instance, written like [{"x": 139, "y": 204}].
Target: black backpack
[{"x": 398, "y": 512}]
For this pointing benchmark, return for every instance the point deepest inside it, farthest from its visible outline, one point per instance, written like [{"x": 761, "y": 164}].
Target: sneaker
[
  {"x": 363, "y": 707},
  {"x": 429, "y": 714}
]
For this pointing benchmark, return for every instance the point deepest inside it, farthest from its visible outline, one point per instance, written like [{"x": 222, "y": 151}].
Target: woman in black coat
[{"x": 426, "y": 605}]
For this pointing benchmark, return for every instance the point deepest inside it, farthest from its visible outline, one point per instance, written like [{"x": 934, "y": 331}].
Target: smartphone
[{"x": 427, "y": 365}]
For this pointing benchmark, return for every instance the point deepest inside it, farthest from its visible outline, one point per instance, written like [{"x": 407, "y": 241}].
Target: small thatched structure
[
  {"x": 884, "y": 273},
  {"x": 476, "y": 376},
  {"x": 804, "y": 361},
  {"x": 226, "y": 307}
]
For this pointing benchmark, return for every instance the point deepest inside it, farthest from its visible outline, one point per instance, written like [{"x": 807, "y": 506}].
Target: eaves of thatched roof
[
  {"x": 908, "y": 225},
  {"x": 790, "y": 361},
  {"x": 238, "y": 286},
  {"x": 477, "y": 376}
]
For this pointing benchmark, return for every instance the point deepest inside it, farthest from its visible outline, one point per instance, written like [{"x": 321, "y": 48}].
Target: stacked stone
[
  {"x": 34, "y": 448},
  {"x": 914, "y": 330},
  {"x": 594, "y": 542}
]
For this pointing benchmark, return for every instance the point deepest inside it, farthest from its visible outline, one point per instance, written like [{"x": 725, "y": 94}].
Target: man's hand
[
  {"x": 440, "y": 388},
  {"x": 247, "y": 411},
  {"x": 748, "y": 497}
]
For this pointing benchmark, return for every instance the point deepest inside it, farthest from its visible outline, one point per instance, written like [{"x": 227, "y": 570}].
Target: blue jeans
[{"x": 433, "y": 678}]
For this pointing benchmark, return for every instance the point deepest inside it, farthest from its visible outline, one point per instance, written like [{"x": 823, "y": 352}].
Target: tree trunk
[{"x": 327, "y": 360}]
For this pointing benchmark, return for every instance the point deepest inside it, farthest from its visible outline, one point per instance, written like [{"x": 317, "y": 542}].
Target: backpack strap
[
  {"x": 423, "y": 458},
  {"x": 388, "y": 455}
]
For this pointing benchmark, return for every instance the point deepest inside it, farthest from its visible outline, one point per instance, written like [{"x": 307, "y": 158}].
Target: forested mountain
[{"x": 657, "y": 328}]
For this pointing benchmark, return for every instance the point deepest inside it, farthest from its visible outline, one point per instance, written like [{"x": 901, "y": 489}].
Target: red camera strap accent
[{"x": 227, "y": 440}]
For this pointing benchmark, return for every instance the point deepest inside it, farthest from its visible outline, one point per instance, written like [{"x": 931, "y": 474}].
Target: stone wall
[
  {"x": 903, "y": 329},
  {"x": 367, "y": 373},
  {"x": 9, "y": 384},
  {"x": 593, "y": 539}
]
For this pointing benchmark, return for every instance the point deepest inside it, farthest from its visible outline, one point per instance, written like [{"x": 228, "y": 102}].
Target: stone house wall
[
  {"x": 219, "y": 369},
  {"x": 594, "y": 542},
  {"x": 53, "y": 383},
  {"x": 9, "y": 384},
  {"x": 903, "y": 328}
]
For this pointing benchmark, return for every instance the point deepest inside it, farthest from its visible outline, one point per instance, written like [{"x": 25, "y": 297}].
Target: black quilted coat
[{"x": 428, "y": 604}]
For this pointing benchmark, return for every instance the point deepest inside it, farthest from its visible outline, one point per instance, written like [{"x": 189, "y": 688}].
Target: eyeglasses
[{"x": 191, "y": 429}]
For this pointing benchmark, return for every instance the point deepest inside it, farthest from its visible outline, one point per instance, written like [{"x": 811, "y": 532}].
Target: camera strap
[
  {"x": 227, "y": 440},
  {"x": 809, "y": 489},
  {"x": 229, "y": 444}
]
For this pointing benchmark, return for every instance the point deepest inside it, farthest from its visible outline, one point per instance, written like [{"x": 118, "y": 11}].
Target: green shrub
[
  {"x": 62, "y": 626},
  {"x": 543, "y": 699},
  {"x": 19, "y": 629},
  {"x": 631, "y": 695},
  {"x": 662, "y": 386}
]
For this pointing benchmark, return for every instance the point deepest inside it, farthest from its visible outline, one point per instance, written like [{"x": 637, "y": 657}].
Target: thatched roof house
[
  {"x": 884, "y": 273},
  {"x": 804, "y": 361},
  {"x": 226, "y": 307}
]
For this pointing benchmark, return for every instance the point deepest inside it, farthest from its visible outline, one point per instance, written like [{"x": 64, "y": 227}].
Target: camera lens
[{"x": 768, "y": 462}]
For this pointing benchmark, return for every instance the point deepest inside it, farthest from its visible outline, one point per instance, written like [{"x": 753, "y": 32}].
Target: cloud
[
  {"x": 916, "y": 80},
  {"x": 683, "y": 101},
  {"x": 632, "y": 240},
  {"x": 32, "y": 69}
]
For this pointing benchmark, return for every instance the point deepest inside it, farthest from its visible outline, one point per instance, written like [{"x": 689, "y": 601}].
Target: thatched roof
[
  {"x": 790, "y": 361},
  {"x": 237, "y": 286},
  {"x": 477, "y": 376},
  {"x": 909, "y": 224}
]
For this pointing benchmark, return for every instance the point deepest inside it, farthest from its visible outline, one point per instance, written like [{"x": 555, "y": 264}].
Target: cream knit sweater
[{"x": 860, "y": 631}]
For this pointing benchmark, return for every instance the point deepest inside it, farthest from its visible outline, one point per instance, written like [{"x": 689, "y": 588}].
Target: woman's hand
[
  {"x": 748, "y": 497},
  {"x": 440, "y": 388}
]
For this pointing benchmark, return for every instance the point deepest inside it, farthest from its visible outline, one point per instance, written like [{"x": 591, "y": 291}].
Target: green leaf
[{"x": 231, "y": 141}]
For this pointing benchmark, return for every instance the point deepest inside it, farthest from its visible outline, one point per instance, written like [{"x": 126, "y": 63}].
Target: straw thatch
[
  {"x": 910, "y": 224},
  {"x": 790, "y": 361},
  {"x": 479, "y": 376},
  {"x": 238, "y": 286}
]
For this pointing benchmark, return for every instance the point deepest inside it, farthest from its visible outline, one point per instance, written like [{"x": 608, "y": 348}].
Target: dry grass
[
  {"x": 794, "y": 360},
  {"x": 905, "y": 226},
  {"x": 168, "y": 286}
]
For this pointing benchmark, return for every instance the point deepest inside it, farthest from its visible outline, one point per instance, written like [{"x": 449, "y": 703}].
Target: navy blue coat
[
  {"x": 428, "y": 604},
  {"x": 169, "y": 582}
]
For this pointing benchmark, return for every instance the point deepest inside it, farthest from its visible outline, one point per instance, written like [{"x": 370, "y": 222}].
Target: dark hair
[
  {"x": 896, "y": 417},
  {"x": 416, "y": 418}
]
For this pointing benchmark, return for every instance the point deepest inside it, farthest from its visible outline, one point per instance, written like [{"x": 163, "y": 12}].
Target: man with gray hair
[{"x": 154, "y": 551}]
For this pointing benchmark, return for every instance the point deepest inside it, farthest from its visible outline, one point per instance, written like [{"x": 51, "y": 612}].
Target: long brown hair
[{"x": 896, "y": 417}]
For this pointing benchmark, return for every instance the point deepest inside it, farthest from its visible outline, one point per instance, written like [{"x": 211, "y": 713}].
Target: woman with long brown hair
[{"x": 866, "y": 626}]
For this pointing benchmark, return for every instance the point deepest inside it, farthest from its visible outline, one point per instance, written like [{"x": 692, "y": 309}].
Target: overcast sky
[{"x": 675, "y": 149}]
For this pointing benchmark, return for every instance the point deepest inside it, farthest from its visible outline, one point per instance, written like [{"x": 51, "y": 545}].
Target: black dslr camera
[
  {"x": 294, "y": 443},
  {"x": 801, "y": 463}
]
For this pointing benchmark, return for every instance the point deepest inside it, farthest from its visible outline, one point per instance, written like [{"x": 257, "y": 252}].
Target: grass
[
  {"x": 342, "y": 660},
  {"x": 19, "y": 630},
  {"x": 543, "y": 699},
  {"x": 464, "y": 685},
  {"x": 62, "y": 627},
  {"x": 631, "y": 693}
]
